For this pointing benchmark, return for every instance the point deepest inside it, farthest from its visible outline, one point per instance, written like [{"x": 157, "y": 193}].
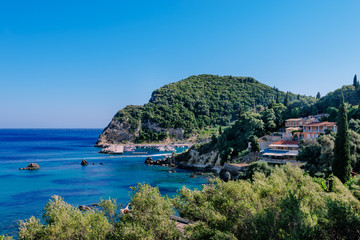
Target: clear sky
[{"x": 75, "y": 63}]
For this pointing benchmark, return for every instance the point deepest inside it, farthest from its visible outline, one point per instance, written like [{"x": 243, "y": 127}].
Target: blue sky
[{"x": 75, "y": 63}]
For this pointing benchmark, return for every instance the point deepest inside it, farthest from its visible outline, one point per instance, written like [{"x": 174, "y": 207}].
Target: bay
[{"x": 59, "y": 152}]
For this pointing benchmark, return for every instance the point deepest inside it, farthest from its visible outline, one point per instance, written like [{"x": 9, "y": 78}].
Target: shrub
[
  {"x": 64, "y": 221},
  {"x": 149, "y": 217}
]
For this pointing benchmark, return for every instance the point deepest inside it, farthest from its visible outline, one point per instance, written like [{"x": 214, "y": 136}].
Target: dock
[
  {"x": 113, "y": 149},
  {"x": 161, "y": 147}
]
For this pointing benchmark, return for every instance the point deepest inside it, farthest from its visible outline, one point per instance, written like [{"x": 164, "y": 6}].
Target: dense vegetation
[
  {"x": 204, "y": 101},
  {"x": 234, "y": 140},
  {"x": 283, "y": 203}
]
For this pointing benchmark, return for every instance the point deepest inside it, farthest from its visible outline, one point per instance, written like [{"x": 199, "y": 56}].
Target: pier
[{"x": 162, "y": 147}]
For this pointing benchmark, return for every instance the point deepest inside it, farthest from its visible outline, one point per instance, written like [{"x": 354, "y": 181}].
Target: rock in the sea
[
  {"x": 225, "y": 175},
  {"x": 193, "y": 175},
  {"x": 101, "y": 163},
  {"x": 31, "y": 166},
  {"x": 149, "y": 160},
  {"x": 93, "y": 163},
  {"x": 84, "y": 162},
  {"x": 84, "y": 208}
]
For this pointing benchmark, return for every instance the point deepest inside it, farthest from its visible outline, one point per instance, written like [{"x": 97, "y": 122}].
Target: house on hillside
[
  {"x": 283, "y": 150},
  {"x": 298, "y": 122},
  {"x": 315, "y": 129},
  {"x": 294, "y": 126},
  {"x": 308, "y": 127}
]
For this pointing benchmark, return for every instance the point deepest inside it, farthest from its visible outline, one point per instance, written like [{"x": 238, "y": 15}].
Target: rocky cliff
[
  {"x": 119, "y": 131},
  {"x": 194, "y": 159}
]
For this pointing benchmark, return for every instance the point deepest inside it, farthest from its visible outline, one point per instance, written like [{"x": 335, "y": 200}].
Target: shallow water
[{"x": 59, "y": 153}]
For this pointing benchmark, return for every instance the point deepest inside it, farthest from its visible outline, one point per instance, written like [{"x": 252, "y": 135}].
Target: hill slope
[
  {"x": 178, "y": 110},
  {"x": 332, "y": 99}
]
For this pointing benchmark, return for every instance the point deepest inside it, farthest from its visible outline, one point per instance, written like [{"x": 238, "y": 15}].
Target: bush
[
  {"x": 64, "y": 221},
  {"x": 149, "y": 217},
  {"x": 258, "y": 167}
]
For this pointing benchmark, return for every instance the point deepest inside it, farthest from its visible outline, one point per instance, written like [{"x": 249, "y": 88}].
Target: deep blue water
[{"x": 59, "y": 152}]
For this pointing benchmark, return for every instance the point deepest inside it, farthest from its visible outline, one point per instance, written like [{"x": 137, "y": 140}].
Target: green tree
[
  {"x": 341, "y": 165},
  {"x": 318, "y": 96},
  {"x": 255, "y": 145},
  {"x": 269, "y": 119},
  {"x": 240, "y": 111},
  {"x": 278, "y": 97},
  {"x": 355, "y": 82},
  {"x": 220, "y": 130},
  {"x": 286, "y": 101}
]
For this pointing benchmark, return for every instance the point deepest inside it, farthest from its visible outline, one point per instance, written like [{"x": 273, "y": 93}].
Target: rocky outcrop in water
[
  {"x": 149, "y": 161},
  {"x": 84, "y": 162},
  {"x": 31, "y": 166}
]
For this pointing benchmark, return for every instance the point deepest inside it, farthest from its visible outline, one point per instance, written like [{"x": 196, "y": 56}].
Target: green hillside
[
  {"x": 332, "y": 99},
  {"x": 201, "y": 101}
]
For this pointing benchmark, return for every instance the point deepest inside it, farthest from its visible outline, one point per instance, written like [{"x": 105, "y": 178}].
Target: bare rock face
[
  {"x": 31, "y": 166},
  {"x": 84, "y": 162},
  {"x": 120, "y": 131},
  {"x": 211, "y": 159},
  {"x": 117, "y": 131}
]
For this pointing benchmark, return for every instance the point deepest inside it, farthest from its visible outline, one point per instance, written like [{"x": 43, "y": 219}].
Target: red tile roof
[
  {"x": 294, "y": 119},
  {"x": 285, "y": 143},
  {"x": 318, "y": 124}
]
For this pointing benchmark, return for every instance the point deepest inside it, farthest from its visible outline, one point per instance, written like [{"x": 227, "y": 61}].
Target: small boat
[
  {"x": 170, "y": 149},
  {"x": 129, "y": 149},
  {"x": 161, "y": 149}
]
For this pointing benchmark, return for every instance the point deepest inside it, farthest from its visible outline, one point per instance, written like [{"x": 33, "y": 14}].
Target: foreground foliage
[
  {"x": 286, "y": 204},
  {"x": 148, "y": 219}
]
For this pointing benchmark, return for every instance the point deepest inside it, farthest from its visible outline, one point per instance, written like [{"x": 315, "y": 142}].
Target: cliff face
[
  {"x": 193, "y": 158},
  {"x": 119, "y": 131}
]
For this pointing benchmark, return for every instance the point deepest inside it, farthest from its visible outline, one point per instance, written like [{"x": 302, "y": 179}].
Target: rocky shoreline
[{"x": 121, "y": 148}]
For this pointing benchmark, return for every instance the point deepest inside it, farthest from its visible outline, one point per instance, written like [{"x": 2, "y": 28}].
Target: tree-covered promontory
[{"x": 192, "y": 104}]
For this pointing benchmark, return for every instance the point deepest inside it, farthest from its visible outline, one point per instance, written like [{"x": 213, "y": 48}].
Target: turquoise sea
[{"x": 24, "y": 193}]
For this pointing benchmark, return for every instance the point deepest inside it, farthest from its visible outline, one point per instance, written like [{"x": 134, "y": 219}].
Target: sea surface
[{"x": 24, "y": 193}]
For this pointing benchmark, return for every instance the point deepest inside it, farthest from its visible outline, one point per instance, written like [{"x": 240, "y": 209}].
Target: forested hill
[
  {"x": 332, "y": 99},
  {"x": 178, "y": 110}
]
